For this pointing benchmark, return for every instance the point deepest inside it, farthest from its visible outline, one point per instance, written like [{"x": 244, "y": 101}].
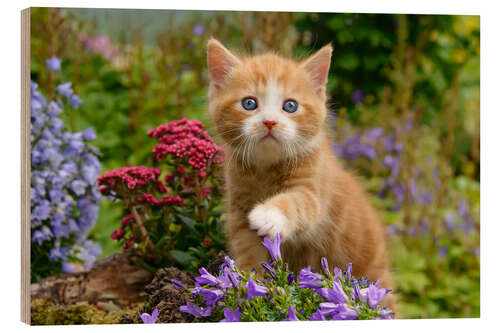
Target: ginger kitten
[{"x": 280, "y": 172}]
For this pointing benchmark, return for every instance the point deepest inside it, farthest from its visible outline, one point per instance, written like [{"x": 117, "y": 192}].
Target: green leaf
[
  {"x": 189, "y": 222},
  {"x": 182, "y": 257},
  {"x": 162, "y": 242}
]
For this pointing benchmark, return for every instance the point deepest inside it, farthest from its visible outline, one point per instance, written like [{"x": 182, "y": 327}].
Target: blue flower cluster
[{"x": 64, "y": 197}]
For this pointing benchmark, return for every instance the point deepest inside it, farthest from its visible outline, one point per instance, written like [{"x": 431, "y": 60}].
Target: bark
[{"x": 116, "y": 278}]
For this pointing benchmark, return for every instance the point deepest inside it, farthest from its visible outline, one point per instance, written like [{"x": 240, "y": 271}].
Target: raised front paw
[{"x": 267, "y": 221}]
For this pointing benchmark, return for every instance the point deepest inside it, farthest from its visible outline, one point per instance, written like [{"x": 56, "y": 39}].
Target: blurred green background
[{"x": 136, "y": 69}]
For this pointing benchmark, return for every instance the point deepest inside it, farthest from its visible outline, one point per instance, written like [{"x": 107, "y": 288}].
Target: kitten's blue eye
[
  {"x": 249, "y": 104},
  {"x": 290, "y": 106}
]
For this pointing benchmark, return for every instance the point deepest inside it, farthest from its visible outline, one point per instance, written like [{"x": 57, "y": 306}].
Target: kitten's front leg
[
  {"x": 246, "y": 248},
  {"x": 286, "y": 213}
]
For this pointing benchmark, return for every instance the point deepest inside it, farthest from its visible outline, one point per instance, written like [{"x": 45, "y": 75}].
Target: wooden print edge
[{"x": 25, "y": 167}]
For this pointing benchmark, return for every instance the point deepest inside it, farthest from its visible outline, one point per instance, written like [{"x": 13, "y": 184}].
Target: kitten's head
[{"x": 267, "y": 108}]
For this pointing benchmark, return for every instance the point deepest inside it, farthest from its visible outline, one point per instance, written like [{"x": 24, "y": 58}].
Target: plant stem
[{"x": 141, "y": 226}]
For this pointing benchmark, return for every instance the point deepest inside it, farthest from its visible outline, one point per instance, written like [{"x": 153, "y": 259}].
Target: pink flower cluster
[
  {"x": 167, "y": 199},
  {"x": 120, "y": 233},
  {"x": 186, "y": 139},
  {"x": 134, "y": 177},
  {"x": 100, "y": 44}
]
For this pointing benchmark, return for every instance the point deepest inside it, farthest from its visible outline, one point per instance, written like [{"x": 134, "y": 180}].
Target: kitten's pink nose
[{"x": 269, "y": 123}]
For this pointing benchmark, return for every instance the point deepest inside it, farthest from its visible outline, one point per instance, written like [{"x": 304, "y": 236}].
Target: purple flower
[
  {"x": 198, "y": 29},
  {"x": 443, "y": 251},
  {"x": 229, "y": 278},
  {"x": 338, "y": 311},
  {"x": 348, "y": 271},
  {"x": 90, "y": 173},
  {"x": 357, "y": 96},
  {"x": 207, "y": 278},
  {"x": 373, "y": 294},
  {"x": 334, "y": 295},
  {"x": 273, "y": 247},
  {"x": 399, "y": 192},
  {"x": 424, "y": 226},
  {"x": 177, "y": 284},
  {"x": 290, "y": 278},
  {"x": 356, "y": 293},
  {"x": 53, "y": 64},
  {"x": 374, "y": 133},
  {"x": 268, "y": 269},
  {"x": 231, "y": 316},
  {"x": 68, "y": 268},
  {"x": 59, "y": 253},
  {"x": 385, "y": 313},
  {"x": 78, "y": 186},
  {"x": 390, "y": 161},
  {"x": 414, "y": 188},
  {"x": 196, "y": 310},
  {"x": 211, "y": 297},
  {"x": 88, "y": 134},
  {"x": 75, "y": 101},
  {"x": 368, "y": 151},
  {"x": 42, "y": 211},
  {"x": 363, "y": 282},
  {"x": 228, "y": 262},
  {"x": 149, "y": 318},
  {"x": 468, "y": 226},
  {"x": 40, "y": 236},
  {"x": 398, "y": 147},
  {"x": 324, "y": 265},
  {"x": 426, "y": 198},
  {"x": 337, "y": 273},
  {"x": 292, "y": 316},
  {"x": 54, "y": 109},
  {"x": 254, "y": 289},
  {"x": 308, "y": 279},
  {"x": 463, "y": 209},
  {"x": 70, "y": 167},
  {"x": 317, "y": 316},
  {"x": 64, "y": 89}
]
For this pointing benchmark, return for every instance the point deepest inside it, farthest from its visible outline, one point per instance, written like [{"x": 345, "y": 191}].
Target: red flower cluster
[
  {"x": 186, "y": 139},
  {"x": 119, "y": 233},
  {"x": 167, "y": 199},
  {"x": 135, "y": 177}
]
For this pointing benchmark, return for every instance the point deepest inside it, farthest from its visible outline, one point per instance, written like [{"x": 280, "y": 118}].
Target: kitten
[{"x": 281, "y": 175}]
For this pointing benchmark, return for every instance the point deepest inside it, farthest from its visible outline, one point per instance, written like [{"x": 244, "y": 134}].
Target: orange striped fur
[{"x": 291, "y": 183}]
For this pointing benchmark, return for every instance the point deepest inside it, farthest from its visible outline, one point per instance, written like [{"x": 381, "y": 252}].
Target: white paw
[{"x": 267, "y": 221}]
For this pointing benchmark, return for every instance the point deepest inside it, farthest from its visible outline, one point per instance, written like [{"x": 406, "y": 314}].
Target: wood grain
[{"x": 25, "y": 166}]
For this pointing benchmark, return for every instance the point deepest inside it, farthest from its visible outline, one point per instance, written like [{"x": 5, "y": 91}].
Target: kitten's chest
[{"x": 246, "y": 190}]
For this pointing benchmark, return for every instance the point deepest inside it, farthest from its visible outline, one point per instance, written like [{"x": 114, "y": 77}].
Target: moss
[{"x": 44, "y": 312}]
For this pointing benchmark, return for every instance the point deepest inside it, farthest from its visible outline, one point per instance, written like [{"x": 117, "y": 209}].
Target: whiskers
[
  {"x": 242, "y": 148},
  {"x": 295, "y": 149}
]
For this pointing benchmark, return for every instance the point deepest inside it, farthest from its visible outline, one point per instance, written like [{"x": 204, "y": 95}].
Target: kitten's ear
[
  {"x": 220, "y": 61},
  {"x": 318, "y": 66}
]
